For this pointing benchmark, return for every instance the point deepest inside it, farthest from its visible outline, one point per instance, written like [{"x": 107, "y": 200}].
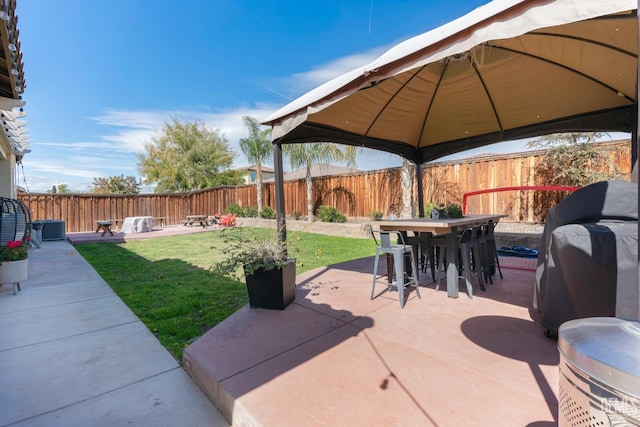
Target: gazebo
[{"x": 509, "y": 69}]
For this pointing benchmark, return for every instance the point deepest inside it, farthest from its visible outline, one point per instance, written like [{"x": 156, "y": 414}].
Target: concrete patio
[
  {"x": 335, "y": 357},
  {"x": 74, "y": 354}
]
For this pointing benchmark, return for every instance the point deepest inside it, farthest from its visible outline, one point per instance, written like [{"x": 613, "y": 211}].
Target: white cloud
[
  {"x": 313, "y": 78},
  {"x": 79, "y": 146},
  {"x": 60, "y": 169},
  {"x": 299, "y": 83},
  {"x": 84, "y": 167},
  {"x": 132, "y": 140},
  {"x": 113, "y": 153},
  {"x": 124, "y": 132},
  {"x": 130, "y": 130},
  {"x": 130, "y": 119}
]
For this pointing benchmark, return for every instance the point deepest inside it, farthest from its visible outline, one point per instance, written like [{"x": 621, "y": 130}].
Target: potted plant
[
  {"x": 269, "y": 273},
  {"x": 14, "y": 259},
  {"x": 454, "y": 211},
  {"x": 441, "y": 211}
]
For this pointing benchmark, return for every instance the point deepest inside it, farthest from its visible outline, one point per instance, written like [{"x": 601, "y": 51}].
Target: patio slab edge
[{"x": 244, "y": 341}]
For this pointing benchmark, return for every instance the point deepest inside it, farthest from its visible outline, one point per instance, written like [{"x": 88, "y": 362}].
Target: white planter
[{"x": 14, "y": 272}]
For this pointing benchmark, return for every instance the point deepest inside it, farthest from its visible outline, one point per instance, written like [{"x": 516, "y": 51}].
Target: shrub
[
  {"x": 454, "y": 211},
  {"x": 376, "y": 215},
  {"x": 234, "y": 209},
  {"x": 429, "y": 207},
  {"x": 251, "y": 250},
  {"x": 330, "y": 214},
  {"x": 267, "y": 213},
  {"x": 250, "y": 212}
]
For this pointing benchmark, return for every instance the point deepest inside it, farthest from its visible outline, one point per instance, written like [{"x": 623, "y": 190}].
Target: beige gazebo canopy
[{"x": 507, "y": 70}]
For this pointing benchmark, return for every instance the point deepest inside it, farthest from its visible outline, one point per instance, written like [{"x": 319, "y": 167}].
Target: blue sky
[{"x": 103, "y": 76}]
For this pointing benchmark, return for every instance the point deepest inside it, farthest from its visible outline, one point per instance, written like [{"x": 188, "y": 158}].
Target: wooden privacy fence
[
  {"x": 355, "y": 194},
  {"x": 81, "y": 211}
]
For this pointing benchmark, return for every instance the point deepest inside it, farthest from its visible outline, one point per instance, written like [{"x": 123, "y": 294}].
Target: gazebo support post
[
  {"x": 634, "y": 136},
  {"x": 636, "y": 143},
  {"x": 419, "y": 189},
  {"x": 281, "y": 221}
]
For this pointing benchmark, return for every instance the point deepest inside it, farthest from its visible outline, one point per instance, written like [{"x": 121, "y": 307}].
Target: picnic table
[
  {"x": 105, "y": 226},
  {"x": 192, "y": 219}
]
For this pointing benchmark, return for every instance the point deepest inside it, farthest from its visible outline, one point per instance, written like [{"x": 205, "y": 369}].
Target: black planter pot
[{"x": 273, "y": 289}]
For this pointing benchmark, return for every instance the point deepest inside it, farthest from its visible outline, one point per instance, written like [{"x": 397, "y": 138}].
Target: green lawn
[{"x": 167, "y": 283}]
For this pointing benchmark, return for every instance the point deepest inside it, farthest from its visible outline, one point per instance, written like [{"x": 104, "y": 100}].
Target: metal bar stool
[
  {"x": 468, "y": 258},
  {"x": 430, "y": 254},
  {"x": 492, "y": 250},
  {"x": 485, "y": 265},
  {"x": 398, "y": 250}
]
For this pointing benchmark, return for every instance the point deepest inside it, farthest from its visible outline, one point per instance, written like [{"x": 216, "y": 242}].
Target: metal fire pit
[{"x": 599, "y": 372}]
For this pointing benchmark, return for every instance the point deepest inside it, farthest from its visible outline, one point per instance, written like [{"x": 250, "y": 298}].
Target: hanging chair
[{"x": 15, "y": 220}]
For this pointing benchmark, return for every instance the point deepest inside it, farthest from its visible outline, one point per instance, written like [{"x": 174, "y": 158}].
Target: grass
[{"x": 166, "y": 281}]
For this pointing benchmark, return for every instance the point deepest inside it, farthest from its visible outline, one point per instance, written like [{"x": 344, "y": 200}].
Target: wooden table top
[
  {"x": 196, "y": 217},
  {"x": 438, "y": 226}
]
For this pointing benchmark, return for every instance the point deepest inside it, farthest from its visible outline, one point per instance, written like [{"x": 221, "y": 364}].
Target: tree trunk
[
  {"x": 309, "y": 195},
  {"x": 407, "y": 206},
  {"x": 259, "y": 186}
]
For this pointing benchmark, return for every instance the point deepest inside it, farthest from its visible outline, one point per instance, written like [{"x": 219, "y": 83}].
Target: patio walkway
[
  {"x": 73, "y": 354},
  {"x": 336, "y": 358}
]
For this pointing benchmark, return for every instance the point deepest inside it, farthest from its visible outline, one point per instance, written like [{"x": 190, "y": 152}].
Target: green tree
[
  {"x": 258, "y": 149},
  {"x": 305, "y": 155},
  {"x": 116, "y": 185},
  {"x": 59, "y": 189},
  {"x": 571, "y": 159},
  {"x": 186, "y": 157},
  {"x": 574, "y": 159}
]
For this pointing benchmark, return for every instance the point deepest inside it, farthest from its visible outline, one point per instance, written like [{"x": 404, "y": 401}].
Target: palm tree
[
  {"x": 305, "y": 155},
  {"x": 258, "y": 149},
  {"x": 407, "y": 205}
]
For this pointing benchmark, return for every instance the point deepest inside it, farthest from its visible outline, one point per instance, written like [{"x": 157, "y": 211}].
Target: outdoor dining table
[{"x": 448, "y": 227}]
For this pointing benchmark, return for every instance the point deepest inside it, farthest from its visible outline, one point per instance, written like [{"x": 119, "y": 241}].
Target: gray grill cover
[{"x": 587, "y": 260}]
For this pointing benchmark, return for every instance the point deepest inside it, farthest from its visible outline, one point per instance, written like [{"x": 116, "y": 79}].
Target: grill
[{"x": 599, "y": 373}]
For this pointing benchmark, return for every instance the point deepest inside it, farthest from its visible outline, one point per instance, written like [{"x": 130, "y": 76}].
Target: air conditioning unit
[
  {"x": 53, "y": 229},
  {"x": 599, "y": 373}
]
